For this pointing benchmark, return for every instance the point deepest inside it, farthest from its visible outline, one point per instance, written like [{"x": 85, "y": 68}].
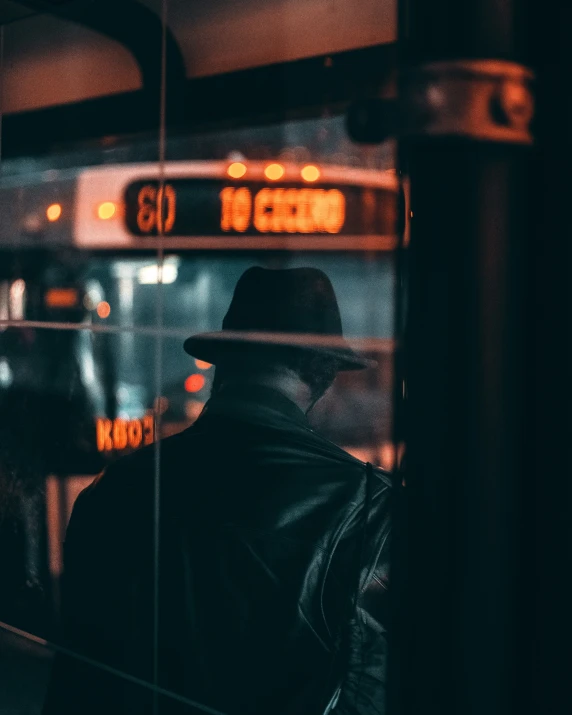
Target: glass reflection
[
  {"x": 74, "y": 401},
  {"x": 53, "y": 386}
]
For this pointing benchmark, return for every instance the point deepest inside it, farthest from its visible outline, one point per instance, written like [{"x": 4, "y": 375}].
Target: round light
[
  {"x": 53, "y": 212},
  {"x": 103, "y": 309},
  {"x": 193, "y": 409},
  {"x": 274, "y": 172},
  {"x": 194, "y": 383},
  {"x": 310, "y": 173},
  {"x": 106, "y": 210},
  {"x": 202, "y": 365},
  {"x": 236, "y": 170}
]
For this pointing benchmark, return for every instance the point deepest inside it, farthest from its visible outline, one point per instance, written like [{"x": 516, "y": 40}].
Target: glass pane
[
  {"x": 56, "y": 394},
  {"x": 26, "y": 667},
  {"x": 92, "y": 395},
  {"x": 62, "y": 416},
  {"x": 113, "y": 253}
]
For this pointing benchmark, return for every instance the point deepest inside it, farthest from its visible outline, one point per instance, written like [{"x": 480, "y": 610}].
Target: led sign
[
  {"x": 156, "y": 208},
  {"x": 61, "y": 298},
  {"x": 120, "y": 434},
  {"x": 215, "y": 207},
  {"x": 283, "y": 210}
]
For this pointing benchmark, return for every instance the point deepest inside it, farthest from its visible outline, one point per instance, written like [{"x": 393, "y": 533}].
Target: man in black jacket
[{"x": 241, "y": 566}]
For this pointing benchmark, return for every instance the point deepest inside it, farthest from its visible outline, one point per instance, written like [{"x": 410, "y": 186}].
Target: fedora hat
[{"x": 294, "y": 307}]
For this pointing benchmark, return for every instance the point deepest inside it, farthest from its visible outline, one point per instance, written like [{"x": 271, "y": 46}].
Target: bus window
[{"x": 109, "y": 264}]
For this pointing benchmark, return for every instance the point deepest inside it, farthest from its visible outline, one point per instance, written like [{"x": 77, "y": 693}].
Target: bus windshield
[{"x": 96, "y": 241}]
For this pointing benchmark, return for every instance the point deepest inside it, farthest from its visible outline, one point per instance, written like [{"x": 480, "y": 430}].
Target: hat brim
[{"x": 210, "y": 346}]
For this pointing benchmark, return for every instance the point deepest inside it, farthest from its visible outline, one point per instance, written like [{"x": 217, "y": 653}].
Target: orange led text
[
  {"x": 283, "y": 210},
  {"x": 119, "y": 434}
]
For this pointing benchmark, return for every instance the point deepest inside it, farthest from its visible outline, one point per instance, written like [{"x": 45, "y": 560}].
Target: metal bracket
[{"x": 489, "y": 100}]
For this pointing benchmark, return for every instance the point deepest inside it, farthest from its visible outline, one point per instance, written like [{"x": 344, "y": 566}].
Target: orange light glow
[
  {"x": 103, "y": 309},
  {"x": 157, "y": 209},
  {"x": 61, "y": 298},
  {"x": 310, "y": 173},
  {"x": 193, "y": 409},
  {"x": 53, "y": 212},
  {"x": 120, "y": 434},
  {"x": 236, "y": 209},
  {"x": 387, "y": 456},
  {"x": 281, "y": 210},
  {"x": 194, "y": 383},
  {"x": 202, "y": 365},
  {"x": 236, "y": 170},
  {"x": 106, "y": 210},
  {"x": 274, "y": 172}
]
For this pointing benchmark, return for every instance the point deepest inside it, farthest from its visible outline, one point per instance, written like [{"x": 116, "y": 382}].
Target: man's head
[
  {"x": 278, "y": 366},
  {"x": 283, "y": 328}
]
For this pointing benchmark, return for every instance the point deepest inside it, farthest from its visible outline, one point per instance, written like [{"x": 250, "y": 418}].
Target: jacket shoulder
[
  {"x": 381, "y": 479},
  {"x": 130, "y": 475}
]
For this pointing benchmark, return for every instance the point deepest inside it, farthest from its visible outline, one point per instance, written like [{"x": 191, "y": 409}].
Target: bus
[
  {"x": 105, "y": 270},
  {"x": 87, "y": 257},
  {"x": 110, "y": 259}
]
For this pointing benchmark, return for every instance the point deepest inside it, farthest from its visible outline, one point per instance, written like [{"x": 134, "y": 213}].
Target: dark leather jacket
[{"x": 262, "y": 541}]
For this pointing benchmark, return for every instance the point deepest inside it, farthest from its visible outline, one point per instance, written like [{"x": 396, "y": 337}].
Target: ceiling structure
[
  {"x": 75, "y": 71},
  {"x": 11, "y": 11},
  {"x": 253, "y": 33},
  {"x": 50, "y": 60}
]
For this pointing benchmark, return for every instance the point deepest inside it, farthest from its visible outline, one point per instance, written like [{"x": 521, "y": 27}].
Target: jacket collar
[
  {"x": 255, "y": 402},
  {"x": 265, "y": 407}
]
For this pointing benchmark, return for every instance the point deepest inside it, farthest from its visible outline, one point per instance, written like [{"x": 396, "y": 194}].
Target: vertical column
[
  {"x": 467, "y": 104},
  {"x": 549, "y": 392}
]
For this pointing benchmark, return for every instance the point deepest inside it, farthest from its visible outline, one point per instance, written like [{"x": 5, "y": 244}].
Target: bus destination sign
[{"x": 213, "y": 207}]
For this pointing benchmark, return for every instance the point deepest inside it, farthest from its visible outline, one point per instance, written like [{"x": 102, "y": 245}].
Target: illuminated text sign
[
  {"x": 119, "y": 434},
  {"x": 216, "y": 207},
  {"x": 156, "y": 209},
  {"x": 282, "y": 210}
]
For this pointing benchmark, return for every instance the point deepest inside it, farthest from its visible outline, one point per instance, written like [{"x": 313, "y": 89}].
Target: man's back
[{"x": 262, "y": 539}]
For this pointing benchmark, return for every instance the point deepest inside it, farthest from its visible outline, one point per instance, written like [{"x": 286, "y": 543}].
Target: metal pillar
[
  {"x": 550, "y": 388},
  {"x": 469, "y": 636}
]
